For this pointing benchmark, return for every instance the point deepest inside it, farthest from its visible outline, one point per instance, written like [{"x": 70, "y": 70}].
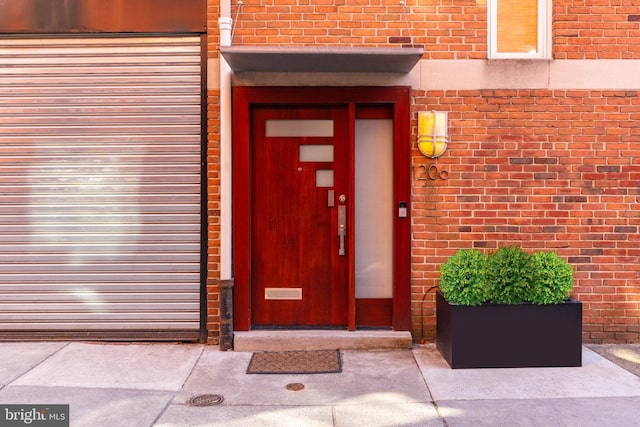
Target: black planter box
[{"x": 509, "y": 336}]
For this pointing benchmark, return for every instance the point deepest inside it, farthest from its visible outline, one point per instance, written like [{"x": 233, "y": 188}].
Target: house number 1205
[{"x": 428, "y": 173}]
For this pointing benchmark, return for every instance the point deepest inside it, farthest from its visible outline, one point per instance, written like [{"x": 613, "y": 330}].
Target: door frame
[{"x": 243, "y": 100}]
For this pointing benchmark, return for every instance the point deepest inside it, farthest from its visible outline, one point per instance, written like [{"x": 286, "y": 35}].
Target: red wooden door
[{"x": 300, "y": 159}]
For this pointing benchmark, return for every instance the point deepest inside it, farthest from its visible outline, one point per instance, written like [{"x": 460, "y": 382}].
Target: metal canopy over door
[
  {"x": 100, "y": 186},
  {"x": 300, "y": 194}
]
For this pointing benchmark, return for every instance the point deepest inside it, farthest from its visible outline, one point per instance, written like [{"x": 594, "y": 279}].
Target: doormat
[{"x": 295, "y": 362}]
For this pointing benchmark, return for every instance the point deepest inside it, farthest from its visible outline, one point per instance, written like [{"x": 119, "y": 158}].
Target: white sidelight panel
[{"x": 374, "y": 208}]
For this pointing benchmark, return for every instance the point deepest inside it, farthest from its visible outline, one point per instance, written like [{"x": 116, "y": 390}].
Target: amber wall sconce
[{"x": 432, "y": 133}]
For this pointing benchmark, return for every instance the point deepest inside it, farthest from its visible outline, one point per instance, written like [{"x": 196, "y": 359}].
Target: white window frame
[{"x": 544, "y": 32}]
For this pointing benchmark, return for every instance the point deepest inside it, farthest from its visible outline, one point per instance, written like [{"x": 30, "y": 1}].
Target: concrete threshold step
[{"x": 281, "y": 340}]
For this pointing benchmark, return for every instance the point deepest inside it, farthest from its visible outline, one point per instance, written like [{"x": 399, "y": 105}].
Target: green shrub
[
  {"x": 551, "y": 278},
  {"x": 462, "y": 278},
  {"x": 507, "y": 275}
]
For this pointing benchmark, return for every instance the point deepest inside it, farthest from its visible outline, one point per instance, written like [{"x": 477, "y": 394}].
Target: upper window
[{"x": 519, "y": 29}]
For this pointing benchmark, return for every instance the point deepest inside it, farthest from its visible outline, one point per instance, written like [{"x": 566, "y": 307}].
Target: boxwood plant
[
  {"x": 462, "y": 278},
  {"x": 508, "y": 275},
  {"x": 551, "y": 276}
]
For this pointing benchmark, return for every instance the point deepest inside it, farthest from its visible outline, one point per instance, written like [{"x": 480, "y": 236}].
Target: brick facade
[
  {"x": 213, "y": 214},
  {"x": 555, "y": 169},
  {"x": 545, "y": 169}
]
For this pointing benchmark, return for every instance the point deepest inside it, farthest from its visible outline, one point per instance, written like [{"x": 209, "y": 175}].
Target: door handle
[{"x": 342, "y": 227}]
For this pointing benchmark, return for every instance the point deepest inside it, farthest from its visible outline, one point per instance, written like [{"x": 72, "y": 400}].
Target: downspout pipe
[{"x": 225, "y": 285}]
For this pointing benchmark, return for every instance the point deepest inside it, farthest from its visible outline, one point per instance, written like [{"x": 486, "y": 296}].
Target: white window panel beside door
[{"x": 374, "y": 208}]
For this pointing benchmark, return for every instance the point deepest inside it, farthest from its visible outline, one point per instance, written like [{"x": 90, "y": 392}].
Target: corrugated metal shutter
[{"x": 100, "y": 154}]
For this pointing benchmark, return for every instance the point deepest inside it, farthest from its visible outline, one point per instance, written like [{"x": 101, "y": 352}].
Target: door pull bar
[{"x": 342, "y": 227}]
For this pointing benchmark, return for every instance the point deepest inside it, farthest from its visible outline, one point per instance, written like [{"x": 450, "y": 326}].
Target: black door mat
[{"x": 295, "y": 362}]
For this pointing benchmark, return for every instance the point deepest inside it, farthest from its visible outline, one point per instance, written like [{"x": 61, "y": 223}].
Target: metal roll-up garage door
[{"x": 100, "y": 187}]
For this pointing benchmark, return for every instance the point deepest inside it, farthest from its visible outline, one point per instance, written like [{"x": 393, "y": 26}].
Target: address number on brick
[{"x": 426, "y": 173}]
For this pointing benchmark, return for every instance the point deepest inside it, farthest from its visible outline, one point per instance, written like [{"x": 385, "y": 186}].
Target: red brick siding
[
  {"x": 213, "y": 215},
  {"x": 447, "y": 29},
  {"x": 213, "y": 33},
  {"x": 545, "y": 169},
  {"x": 596, "y": 29}
]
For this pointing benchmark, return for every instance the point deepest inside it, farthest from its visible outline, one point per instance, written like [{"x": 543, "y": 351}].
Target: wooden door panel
[
  {"x": 274, "y": 247},
  {"x": 292, "y": 228}
]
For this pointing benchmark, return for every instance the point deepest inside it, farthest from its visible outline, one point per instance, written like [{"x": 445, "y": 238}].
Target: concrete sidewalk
[{"x": 151, "y": 384}]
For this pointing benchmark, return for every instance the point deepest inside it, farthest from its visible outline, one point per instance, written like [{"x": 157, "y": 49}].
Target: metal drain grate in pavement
[
  {"x": 295, "y": 386},
  {"x": 205, "y": 400}
]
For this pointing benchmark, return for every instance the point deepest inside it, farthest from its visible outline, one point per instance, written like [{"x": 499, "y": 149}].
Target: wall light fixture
[{"x": 432, "y": 133}]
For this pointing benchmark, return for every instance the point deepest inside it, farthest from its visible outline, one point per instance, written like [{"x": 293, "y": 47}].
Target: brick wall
[
  {"x": 447, "y": 29},
  {"x": 213, "y": 215},
  {"x": 596, "y": 29},
  {"x": 545, "y": 169}
]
